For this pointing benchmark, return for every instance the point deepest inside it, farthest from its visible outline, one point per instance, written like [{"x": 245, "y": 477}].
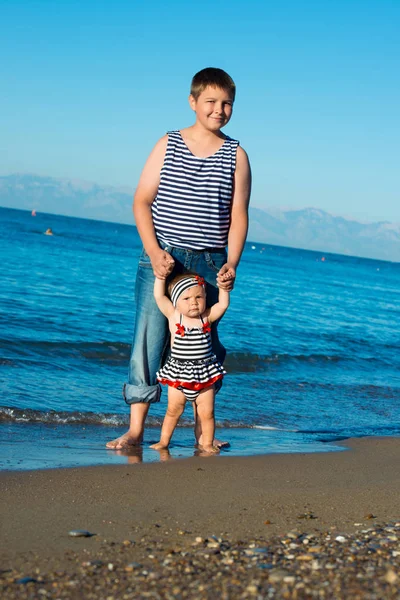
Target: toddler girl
[{"x": 192, "y": 368}]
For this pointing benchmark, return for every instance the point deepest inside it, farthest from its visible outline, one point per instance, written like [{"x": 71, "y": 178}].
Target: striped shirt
[{"x": 192, "y": 206}]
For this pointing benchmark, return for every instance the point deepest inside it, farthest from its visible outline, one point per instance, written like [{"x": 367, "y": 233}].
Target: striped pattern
[
  {"x": 192, "y": 206},
  {"x": 190, "y": 395},
  {"x": 184, "y": 284},
  {"x": 192, "y": 363}
]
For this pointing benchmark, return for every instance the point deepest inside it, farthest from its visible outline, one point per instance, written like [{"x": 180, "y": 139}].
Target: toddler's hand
[
  {"x": 226, "y": 277},
  {"x": 162, "y": 264}
]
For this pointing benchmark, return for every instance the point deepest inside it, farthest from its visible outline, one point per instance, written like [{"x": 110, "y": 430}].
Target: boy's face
[
  {"x": 192, "y": 302},
  {"x": 213, "y": 108}
]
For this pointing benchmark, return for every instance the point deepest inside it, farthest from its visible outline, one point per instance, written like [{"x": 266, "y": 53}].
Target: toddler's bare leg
[
  {"x": 176, "y": 405},
  {"x": 197, "y": 425},
  {"x": 205, "y": 411},
  {"x": 197, "y": 431}
]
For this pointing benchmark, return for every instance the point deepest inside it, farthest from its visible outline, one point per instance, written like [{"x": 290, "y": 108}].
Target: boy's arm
[
  {"x": 239, "y": 218},
  {"x": 146, "y": 191},
  {"x": 219, "y": 309},
  {"x": 163, "y": 302}
]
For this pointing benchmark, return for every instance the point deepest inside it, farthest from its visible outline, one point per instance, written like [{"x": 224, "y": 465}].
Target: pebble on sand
[{"x": 80, "y": 533}]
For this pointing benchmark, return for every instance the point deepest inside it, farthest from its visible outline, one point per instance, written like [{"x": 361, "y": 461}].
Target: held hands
[
  {"x": 226, "y": 277},
  {"x": 162, "y": 263}
]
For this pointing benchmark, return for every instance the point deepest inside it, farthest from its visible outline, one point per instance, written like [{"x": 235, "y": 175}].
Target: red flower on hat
[
  {"x": 206, "y": 327},
  {"x": 180, "y": 330},
  {"x": 200, "y": 280}
]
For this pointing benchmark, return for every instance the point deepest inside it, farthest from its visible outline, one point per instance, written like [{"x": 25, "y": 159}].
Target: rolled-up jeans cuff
[{"x": 134, "y": 394}]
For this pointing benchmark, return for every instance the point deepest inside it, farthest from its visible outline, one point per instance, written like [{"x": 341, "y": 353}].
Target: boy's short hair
[{"x": 213, "y": 77}]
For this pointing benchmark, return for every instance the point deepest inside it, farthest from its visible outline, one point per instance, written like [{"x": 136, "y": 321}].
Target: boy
[{"x": 191, "y": 202}]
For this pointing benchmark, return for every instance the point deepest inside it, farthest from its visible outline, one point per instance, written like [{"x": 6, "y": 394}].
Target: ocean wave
[
  {"x": 118, "y": 353},
  {"x": 53, "y": 417}
]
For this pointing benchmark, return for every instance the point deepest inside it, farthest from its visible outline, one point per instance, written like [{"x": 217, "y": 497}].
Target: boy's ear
[{"x": 192, "y": 102}]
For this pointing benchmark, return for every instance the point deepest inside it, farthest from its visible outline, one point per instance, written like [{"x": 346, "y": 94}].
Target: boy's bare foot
[
  {"x": 159, "y": 446},
  {"x": 124, "y": 441}
]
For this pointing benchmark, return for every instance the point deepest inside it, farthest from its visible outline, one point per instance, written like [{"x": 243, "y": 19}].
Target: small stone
[
  {"x": 340, "y": 538},
  {"x": 80, "y": 533},
  {"x": 391, "y": 577},
  {"x": 370, "y": 516},
  {"x": 315, "y": 549},
  {"x": 128, "y": 543},
  {"x": 199, "y": 540},
  {"x": 267, "y": 522},
  {"x": 278, "y": 575},
  {"x": 133, "y": 566},
  {"x": 110, "y": 567},
  {"x": 289, "y": 579},
  {"x": 25, "y": 580},
  {"x": 304, "y": 557},
  {"x": 92, "y": 563},
  {"x": 254, "y": 551}
]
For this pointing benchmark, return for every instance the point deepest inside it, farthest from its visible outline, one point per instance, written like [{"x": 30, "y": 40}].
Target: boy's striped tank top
[{"x": 193, "y": 202}]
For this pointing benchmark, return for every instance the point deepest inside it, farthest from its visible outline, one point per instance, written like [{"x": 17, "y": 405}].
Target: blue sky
[{"x": 88, "y": 87}]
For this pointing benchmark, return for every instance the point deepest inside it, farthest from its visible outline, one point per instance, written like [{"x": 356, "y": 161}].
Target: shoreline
[
  {"x": 52, "y": 446},
  {"x": 135, "y": 511}
]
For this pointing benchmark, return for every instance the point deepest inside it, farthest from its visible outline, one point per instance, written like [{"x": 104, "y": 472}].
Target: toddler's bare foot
[
  {"x": 124, "y": 441},
  {"x": 218, "y": 443},
  {"x": 209, "y": 449},
  {"x": 159, "y": 446},
  {"x": 221, "y": 444}
]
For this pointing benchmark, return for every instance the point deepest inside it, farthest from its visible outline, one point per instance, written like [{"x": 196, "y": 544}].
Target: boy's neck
[
  {"x": 199, "y": 133},
  {"x": 202, "y": 142}
]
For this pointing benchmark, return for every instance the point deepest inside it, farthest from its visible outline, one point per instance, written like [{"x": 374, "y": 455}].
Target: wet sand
[{"x": 139, "y": 511}]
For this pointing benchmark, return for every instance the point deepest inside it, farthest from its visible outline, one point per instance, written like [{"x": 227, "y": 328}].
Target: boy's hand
[
  {"x": 226, "y": 277},
  {"x": 162, "y": 264}
]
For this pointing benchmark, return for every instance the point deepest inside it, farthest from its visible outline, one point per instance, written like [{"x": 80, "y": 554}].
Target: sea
[{"x": 312, "y": 338}]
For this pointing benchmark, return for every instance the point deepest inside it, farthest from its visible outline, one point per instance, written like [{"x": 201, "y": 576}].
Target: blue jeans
[{"x": 150, "y": 344}]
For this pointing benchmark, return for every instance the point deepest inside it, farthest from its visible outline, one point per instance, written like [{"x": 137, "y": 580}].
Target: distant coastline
[{"x": 307, "y": 228}]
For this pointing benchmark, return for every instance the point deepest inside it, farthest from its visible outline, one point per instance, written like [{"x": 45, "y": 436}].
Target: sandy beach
[{"x": 233, "y": 514}]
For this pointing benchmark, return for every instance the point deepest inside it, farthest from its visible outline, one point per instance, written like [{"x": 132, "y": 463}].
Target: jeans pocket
[
  {"x": 215, "y": 260},
  {"x": 144, "y": 260}
]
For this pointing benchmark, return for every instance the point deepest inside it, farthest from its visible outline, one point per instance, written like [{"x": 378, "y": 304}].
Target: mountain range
[{"x": 308, "y": 228}]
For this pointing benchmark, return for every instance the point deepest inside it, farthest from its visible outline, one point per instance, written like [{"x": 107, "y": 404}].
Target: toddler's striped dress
[{"x": 192, "y": 364}]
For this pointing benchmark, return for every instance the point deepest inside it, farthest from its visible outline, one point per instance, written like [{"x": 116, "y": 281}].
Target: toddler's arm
[
  {"x": 163, "y": 302},
  {"x": 219, "y": 309}
]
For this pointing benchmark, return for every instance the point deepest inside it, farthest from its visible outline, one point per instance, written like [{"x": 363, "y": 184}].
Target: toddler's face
[{"x": 192, "y": 302}]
